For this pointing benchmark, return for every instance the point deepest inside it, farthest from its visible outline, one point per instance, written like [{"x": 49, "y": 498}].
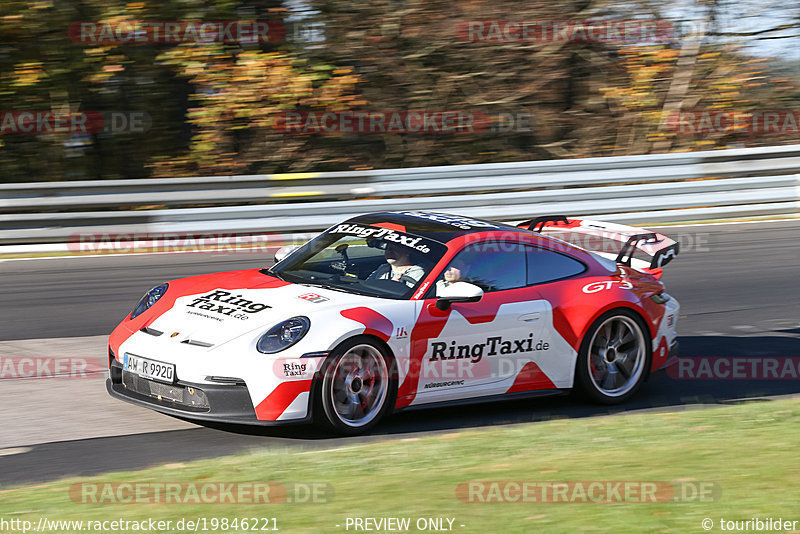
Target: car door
[
  {"x": 477, "y": 348},
  {"x": 550, "y": 275}
]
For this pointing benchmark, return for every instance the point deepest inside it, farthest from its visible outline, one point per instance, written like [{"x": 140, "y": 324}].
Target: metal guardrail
[{"x": 650, "y": 188}]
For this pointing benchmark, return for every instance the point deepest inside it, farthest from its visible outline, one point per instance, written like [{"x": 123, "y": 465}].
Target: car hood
[{"x": 224, "y": 310}]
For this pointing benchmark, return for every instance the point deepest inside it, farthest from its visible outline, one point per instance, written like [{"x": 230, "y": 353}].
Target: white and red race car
[{"x": 393, "y": 311}]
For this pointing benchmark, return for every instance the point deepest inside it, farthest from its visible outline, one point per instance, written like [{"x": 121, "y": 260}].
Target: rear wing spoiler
[{"x": 660, "y": 248}]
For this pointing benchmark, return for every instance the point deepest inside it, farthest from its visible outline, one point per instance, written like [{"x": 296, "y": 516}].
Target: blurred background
[
  {"x": 190, "y": 108},
  {"x": 130, "y": 127}
]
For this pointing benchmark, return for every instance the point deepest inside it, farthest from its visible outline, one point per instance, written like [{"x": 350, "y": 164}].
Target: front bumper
[
  {"x": 224, "y": 403},
  {"x": 672, "y": 356}
]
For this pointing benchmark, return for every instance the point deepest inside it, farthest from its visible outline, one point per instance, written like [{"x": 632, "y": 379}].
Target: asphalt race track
[{"x": 738, "y": 285}]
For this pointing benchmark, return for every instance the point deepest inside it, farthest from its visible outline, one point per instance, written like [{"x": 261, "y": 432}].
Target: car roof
[{"x": 441, "y": 227}]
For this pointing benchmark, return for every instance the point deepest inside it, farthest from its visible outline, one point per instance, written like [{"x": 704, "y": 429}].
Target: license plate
[{"x": 160, "y": 371}]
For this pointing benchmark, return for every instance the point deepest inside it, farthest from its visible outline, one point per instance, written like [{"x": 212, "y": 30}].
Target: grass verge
[{"x": 748, "y": 452}]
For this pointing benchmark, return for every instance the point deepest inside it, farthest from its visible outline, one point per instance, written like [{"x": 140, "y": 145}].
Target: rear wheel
[
  {"x": 358, "y": 387},
  {"x": 614, "y": 358}
]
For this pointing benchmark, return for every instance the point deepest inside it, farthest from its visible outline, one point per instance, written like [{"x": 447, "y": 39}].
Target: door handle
[{"x": 530, "y": 317}]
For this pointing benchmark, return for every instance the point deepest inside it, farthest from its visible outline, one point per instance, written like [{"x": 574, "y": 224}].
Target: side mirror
[
  {"x": 458, "y": 292},
  {"x": 285, "y": 251}
]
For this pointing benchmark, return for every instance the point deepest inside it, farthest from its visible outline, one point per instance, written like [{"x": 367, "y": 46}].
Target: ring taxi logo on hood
[{"x": 227, "y": 303}]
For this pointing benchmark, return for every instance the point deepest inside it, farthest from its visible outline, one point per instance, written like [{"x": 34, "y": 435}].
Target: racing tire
[
  {"x": 614, "y": 358},
  {"x": 358, "y": 386}
]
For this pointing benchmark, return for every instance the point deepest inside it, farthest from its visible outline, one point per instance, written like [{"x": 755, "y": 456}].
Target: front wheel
[
  {"x": 614, "y": 358},
  {"x": 358, "y": 387}
]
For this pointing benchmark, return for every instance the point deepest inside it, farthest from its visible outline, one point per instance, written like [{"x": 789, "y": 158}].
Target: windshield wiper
[
  {"x": 323, "y": 285},
  {"x": 337, "y": 288}
]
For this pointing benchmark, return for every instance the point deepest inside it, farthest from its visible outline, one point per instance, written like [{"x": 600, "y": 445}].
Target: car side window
[
  {"x": 491, "y": 265},
  {"x": 547, "y": 266}
]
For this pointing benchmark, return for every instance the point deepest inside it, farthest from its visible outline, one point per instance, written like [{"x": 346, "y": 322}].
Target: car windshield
[{"x": 360, "y": 258}]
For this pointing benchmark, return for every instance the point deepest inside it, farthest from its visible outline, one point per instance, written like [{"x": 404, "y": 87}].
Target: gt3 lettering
[{"x": 596, "y": 287}]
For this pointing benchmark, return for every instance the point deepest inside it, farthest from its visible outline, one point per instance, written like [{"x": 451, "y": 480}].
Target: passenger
[{"x": 455, "y": 272}]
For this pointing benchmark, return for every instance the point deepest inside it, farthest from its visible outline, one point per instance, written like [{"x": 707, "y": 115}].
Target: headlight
[
  {"x": 150, "y": 298},
  {"x": 283, "y": 335}
]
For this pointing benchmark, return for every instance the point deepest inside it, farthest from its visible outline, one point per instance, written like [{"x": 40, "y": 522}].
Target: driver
[{"x": 398, "y": 266}]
